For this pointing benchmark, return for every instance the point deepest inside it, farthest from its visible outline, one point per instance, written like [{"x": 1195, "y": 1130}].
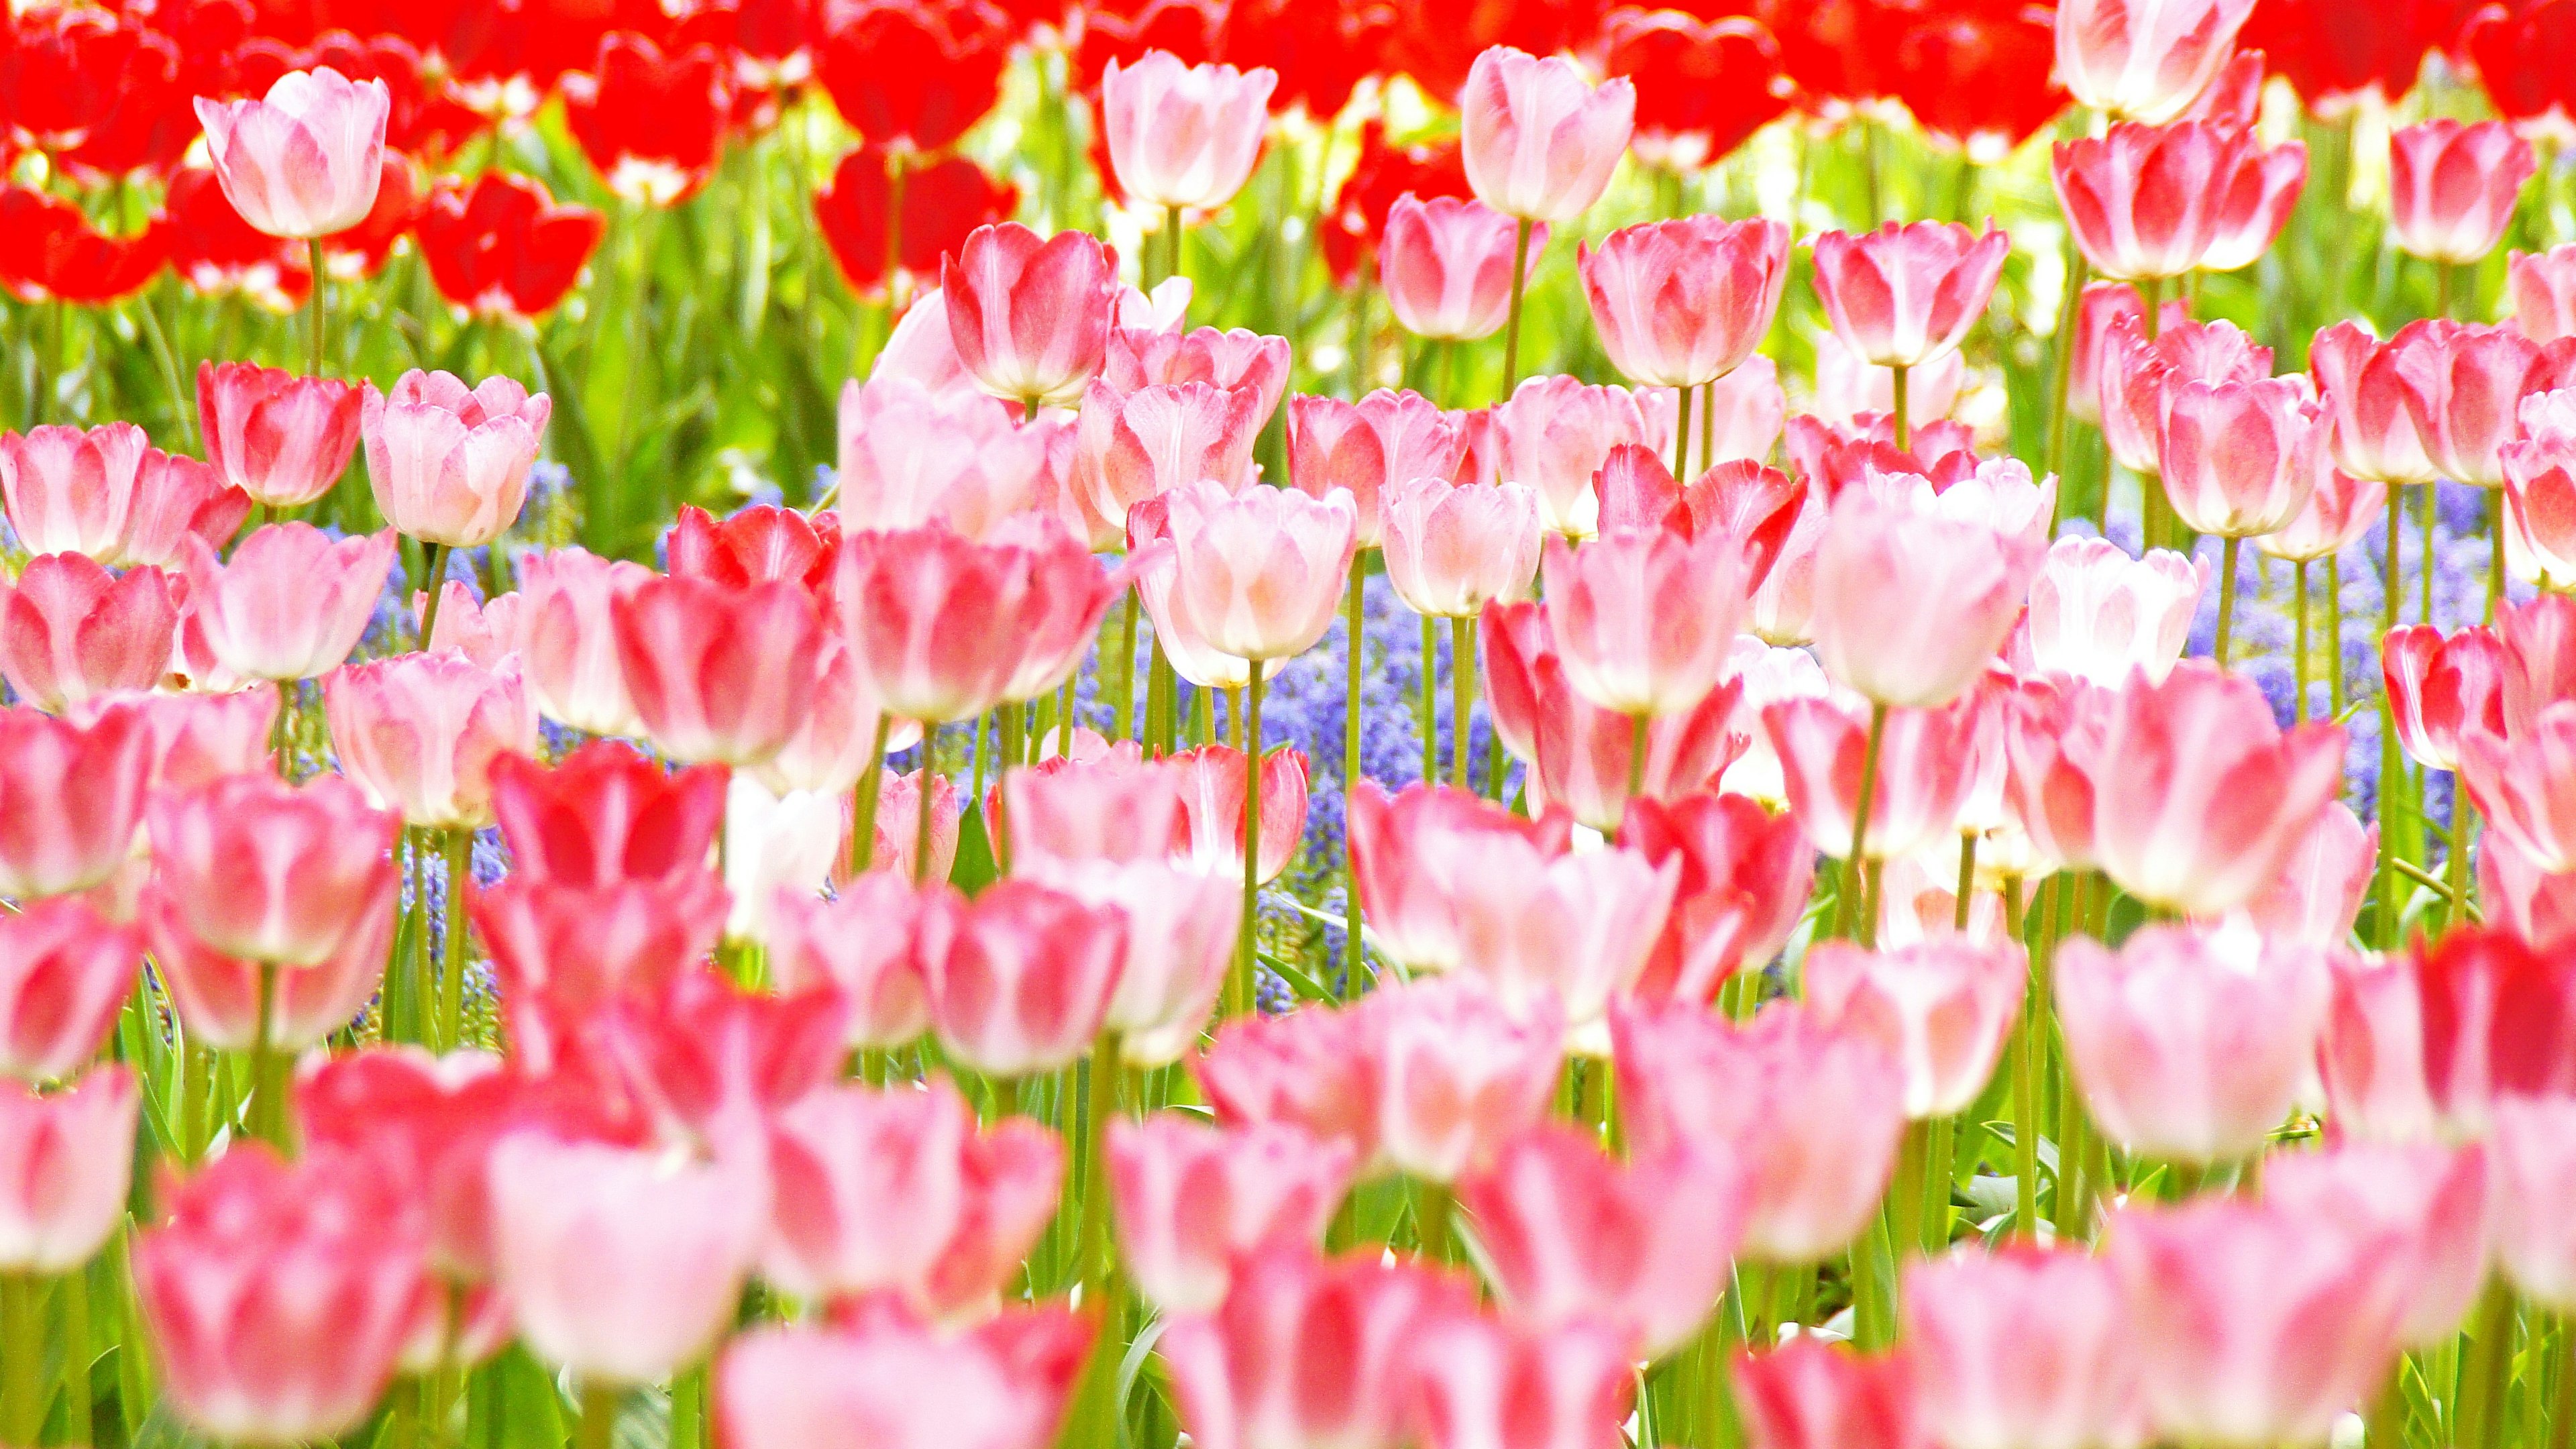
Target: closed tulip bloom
[
  {"x": 1134, "y": 445},
  {"x": 2452, "y": 187},
  {"x": 1556, "y": 435},
  {"x": 2538, "y": 907},
  {"x": 1814, "y": 1112},
  {"x": 909, "y": 455},
  {"x": 1241, "y": 1376},
  {"x": 268, "y": 871},
  {"x": 562, "y": 952},
  {"x": 888, "y": 1381},
  {"x": 1030, "y": 315},
  {"x": 898, "y": 817},
  {"x": 2339, "y": 511},
  {"x": 2264, "y": 192},
  {"x": 1121, "y": 809},
  {"x": 1316, "y": 1070},
  {"x": 1402, "y": 857},
  {"x": 1457, "y": 1074},
  {"x": 1573, "y": 1235},
  {"x": 70, "y": 798},
  {"x": 2145, "y": 62},
  {"x": 1493, "y": 1383},
  {"x": 1183, "y": 135},
  {"x": 66, "y": 1160},
  {"x": 2151, "y": 202},
  {"x": 71, "y": 490},
  {"x": 1906, "y": 294},
  {"x": 1744, "y": 880},
  {"x": 279, "y": 1298},
  {"x": 2096, "y": 613},
  {"x": 291, "y": 602},
  {"x": 2539, "y": 656},
  {"x": 1191, "y": 1198},
  {"x": 1451, "y": 549},
  {"x": 1181, "y": 919},
  {"x": 2318, "y": 894},
  {"x": 2542, "y": 287},
  {"x": 1369, "y": 449},
  {"x": 2254, "y": 1325},
  {"x": 450, "y": 463},
  {"x": 2138, "y": 375},
  {"x": 2443, "y": 689},
  {"x": 1568, "y": 932},
  {"x": 1679, "y": 303},
  {"x": 1811, "y": 1394},
  {"x": 777, "y": 843},
  {"x": 2533, "y": 1150},
  {"x": 1211, "y": 784},
  {"x": 1643, "y": 619},
  {"x": 945, "y": 628},
  {"x": 568, "y": 638},
  {"x": 2540, "y": 508},
  {"x": 1233, "y": 358},
  {"x": 199, "y": 737},
  {"x": 618, "y": 1265},
  {"x": 2190, "y": 1046},
  {"x": 280, "y": 438},
  {"x": 1539, "y": 141},
  {"x": 2525, "y": 785},
  {"x": 1578, "y": 752},
  {"x": 431, "y": 1121},
  {"x": 835, "y": 744},
  {"x": 2239, "y": 457},
  {"x": 860, "y": 942},
  {"x": 1957, "y": 584},
  {"x": 1256, "y": 576},
  {"x": 605, "y": 814},
  {"x": 867, "y": 1188},
  {"x": 2462, "y": 384},
  {"x": 2024, "y": 1348},
  {"x": 1446, "y": 266},
  {"x": 63, "y": 971},
  {"x": 1021, "y": 977},
  {"x": 716, "y": 674},
  {"x": 2373, "y": 434},
  {"x": 175, "y": 499},
  {"x": 1926, "y": 767},
  {"x": 2209, "y": 795},
  {"x": 2437, "y": 1196},
  {"x": 419, "y": 732},
  {"x": 1942, "y": 1008},
  {"x": 305, "y": 160},
  {"x": 70, "y": 631}
]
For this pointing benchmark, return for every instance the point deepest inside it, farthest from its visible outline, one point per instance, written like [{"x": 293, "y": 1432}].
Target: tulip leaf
[{"x": 974, "y": 868}]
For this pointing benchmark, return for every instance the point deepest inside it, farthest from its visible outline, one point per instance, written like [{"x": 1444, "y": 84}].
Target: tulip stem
[
  {"x": 2334, "y": 635},
  {"x": 1462, "y": 695},
  {"x": 266, "y": 1114},
  {"x": 921, "y": 817},
  {"x": 1100, "y": 1103},
  {"x": 2389, "y": 766},
  {"x": 1682, "y": 434},
  {"x": 1897, "y": 390},
  {"x": 433, "y": 562},
  {"x": 2562, "y": 1395},
  {"x": 598, "y": 1428},
  {"x": 1240, "y": 987},
  {"x": 1172, "y": 228},
  {"x": 2455, "y": 863},
  {"x": 2299, "y": 642},
  {"x": 1852, "y": 922},
  {"x": 279, "y": 731},
  {"x": 2431, "y": 512},
  {"x": 863, "y": 805},
  {"x": 313, "y": 251},
  {"x": 1638, "y": 726},
  {"x": 2061, "y": 372},
  {"x": 2486, "y": 1374},
  {"x": 1426, "y": 707},
  {"x": 1007, "y": 737},
  {"x": 1432, "y": 1205},
  {"x": 451, "y": 985},
  {"x": 1122, "y": 704},
  {"x": 2226, "y": 595},
  {"x": 411, "y": 1022},
  {"x": 2495, "y": 566},
  {"x": 1354, "y": 770},
  {"x": 2025, "y": 1068},
  {"x": 1162, "y": 702},
  {"x": 22, "y": 1329},
  {"x": 1967, "y": 891},
  {"x": 1512, "y": 324}
]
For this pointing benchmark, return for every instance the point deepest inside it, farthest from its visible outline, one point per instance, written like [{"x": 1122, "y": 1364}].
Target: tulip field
[{"x": 1288, "y": 724}]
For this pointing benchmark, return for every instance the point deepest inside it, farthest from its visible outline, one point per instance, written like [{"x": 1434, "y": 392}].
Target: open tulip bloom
[{"x": 918, "y": 725}]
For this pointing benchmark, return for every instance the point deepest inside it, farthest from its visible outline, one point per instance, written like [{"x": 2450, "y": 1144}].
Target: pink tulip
[
  {"x": 1643, "y": 619},
  {"x": 2027, "y": 1348},
  {"x": 2452, "y": 187},
  {"x": 1745, "y": 875},
  {"x": 1925, "y": 770},
  {"x": 717, "y": 674},
  {"x": 569, "y": 640},
  {"x": 618, "y": 1265},
  {"x": 2259, "y": 204},
  {"x": 1183, "y": 135},
  {"x": 2101, "y": 304},
  {"x": 1368, "y": 449},
  {"x": 2145, "y": 61},
  {"x": 1181, "y": 919},
  {"x": 2521, "y": 898},
  {"x": 1749, "y": 407},
  {"x": 1962, "y": 584},
  {"x": 1811, "y": 1394},
  {"x": 2190, "y": 1046},
  {"x": 196, "y": 738},
  {"x": 279, "y": 1298},
  {"x": 2539, "y": 656},
  {"x": 419, "y": 733},
  {"x": 1573, "y": 1235},
  {"x": 2339, "y": 511},
  {"x": 1236, "y": 359},
  {"x": 561, "y": 952},
  {"x": 1315, "y": 1070},
  {"x": 2540, "y": 502},
  {"x": 2522, "y": 785},
  {"x": 431, "y": 1123},
  {"x": 64, "y": 971},
  {"x": 280, "y": 438},
  {"x": 1679, "y": 303},
  {"x": 176, "y": 499},
  {"x": 1539, "y": 141},
  {"x": 2149, "y": 202},
  {"x": 1029, "y": 315},
  {"x": 1255, "y": 577},
  {"x": 1566, "y": 932},
  {"x": 1066, "y": 813},
  {"x": 1457, "y": 1074},
  {"x": 1556, "y": 433},
  {"x": 71, "y": 490},
  {"x": 1402, "y": 855},
  {"x": 1850, "y": 393},
  {"x": 2534, "y": 1155},
  {"x": 867, "y": 1188},
  {"x": 860, "y": 943},
  {"x": 71, "y": 631},
  {"x": 2139, "y": 375},
  {"x": 2319, "y": 893},
  {"x": 910, "y": 456},
  {"x": 2255, "y": 1325},
  {"x": 2542, "y": 287},
  {"x": 2374, "y": 434},
  {"x": 66, "y": 1160},
  {"x": 217, "y": 994},
  {"x": 835, "y": 743},
  {"x": 1494, "y": 1383},
  {"x": 267, "y": 871},
  {"x": 1191, "y": 1198},
  {"x": 2437, "y": 1197},
  {"x": 2209, "y": 795},
  {"x": 898, "y": 827},
  {"x": 1136, "y": 444},
  {"x": 1813, "y": 1111},
  {"x": 2096, "y": 613},
  {"x": 900, "y": 1385},
  {"x": 1211, "y": 781},
  {"x": 450, "y": 463},
  {"x": 943, "y": 628},
  {"x": 1446, "y": 266},
  {"x": 70, "y": 798},
  {"x": 606, "y": 814},
  {"x": 291, "y": 602},
  {"x": 1904, "y": 295},
  {"x": 2443, "y": 690},
  {"x": 1020, "y": 978},
  {"x": 1942, "y": 1008},
  {"x": 305, "y": 160},
  {"x": 1452, "y": 549},
  {"x": 1578, "y": 753},
  {"x": 2238, "y": 458},
  {"x": 2462, "y": 385}
]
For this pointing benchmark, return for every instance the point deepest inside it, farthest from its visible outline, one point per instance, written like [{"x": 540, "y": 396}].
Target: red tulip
[
  {"x": 71, "y": 631},
  {"x": 943, "y": 202},
  {"x": 914, "y": 76},
  {"x": 1904, "y": 295},
  {"x": 291, "y": 602},
  {"x": 1811, "y": 1394},
  {"x": 1191, "y": 1199},
  {"x": 1704, "y": 87},
  {"x": 2452, "y": 187},
  {"x": 605, "y": 814},
  {"x": 2145, "y": 62},
  {"x": 429, "y": 1122},
  {"x": 1744, "y": 879},
  {"x": 1540, "y": 141},
  {"x": 1014, "y": 1174},
  {"x": 943, "y": 628},
  {"x": 1002, "y": 1385},
  {"x": 1942, "y": 1008},
  {"x": 1020, "y": 978},
  {"x": 1493, "y": 1383},
  {"x": 1679, "y": 303},
  {"x": 48, "y": 252},
  {"x": 1030, "y": 315},
  {"x": 650, "y": 121},
  {"x": 2021, "y": 1349},
  {"x": 63, "y": 972},
  {"x": 1925, "y": 771},
  {"x": 756, "y": 545},
  {"x": 502, "y": 247},
  {"x": 304, "y": 161},
  {"x": 718, "y": 674},
  {"x": 1446, "y": 266}
]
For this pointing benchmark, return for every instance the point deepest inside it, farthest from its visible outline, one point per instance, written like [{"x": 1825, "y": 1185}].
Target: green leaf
[
  {"x": 974, "y": 868},
  {"x": 512, "y": 1402}
]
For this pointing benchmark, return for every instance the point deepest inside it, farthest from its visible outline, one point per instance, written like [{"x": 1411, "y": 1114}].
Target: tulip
[
  {"x": 1447, "y": 266},
  {"x": 1021, "y": 978},
  {"x": 569, "y": 642},
  {"x": 1911, "y": 796},
  {"x": 2520, "y": 784},
  {"x": 2238, "y": 457},
  {"x": 2540, "y": 504},
  {"x": 605, "y": 814},
  {"x": 1369, "y": 449},
  {"x": 717, "y": 674},
  {"x": 867, "y": 1188},
  {"x": 305, "y": 160},
  {"x": 1255, "y": 576},
  {"x": 1941, "y": 1008},
  {"x": 1183, "y": 135},
  {"x": 1402, "y": 859},
  {"x": 2145, "y": 62},
  {"x": 1582, "y": 757},
  {"x": 71, "y": 631},
  {"x": 70, "y": 490},
  {"x": 1136, "y": 444},
  {"x": 196, "y": 738},
  {"x": 618, "y": 1266},
  {"x": 1643, "y": 619},
  {"x": 2452, "y": 187},
  {"x": 2443, "y": 690},
  {"x": 70, "y": 798},
  {"x": 778, "y": 843},
  {"x": 66, "y": 1160},
  {"x": 1538, "y": 140},
  {"x": 291, "y": 602},
  {"x": 176, "y": 499},
  {"x": 2374, "y": 434},
  {"x": 2462, "y": 384},
  {"x": 2255, "y": 1325},
  {"x": 63, "y": 971},
  {"x": 279, "y": 1298},
  {"x": 2436, "y": 1196},
  {"x": 2138, "y": 374},
  {"x": 282, "y": 439},
  {"x": 1490, "y": 1383},
  {"x": 1569, "y": 932},
  {"x": 2339, "y": 510},
  {"x": 432, "y": 1122},
  {"x": 1904, "y": 295},
  {"x": 1811, "y": 1394},
  {"x": 2539, "y": 657},
  {"x": 1234, "y": 359},
  {"x": 2096, "y": 613},
  {"x": 835, "y": 744},
  {"x": 1316, "y": 1070},
  {"x": 1744, "y": 880},
  {"x": 1029, "y": 315},
  {"x": 898, "y": 848},
  {"x": 1573, "y": 1236},
  {"x": 2319, "y": 893},
  {"x": 1191, "y": 1198},
  {"x": 1872, "y": 557},
  {"x": 561, "y": 952},
  {"x": 1815, "y": 1112},
  {"x": 2026, "y": 1348},
  {"x": 501, "y": 248},
  {"x": 943, "y": 628},
  {"x": 2150, "y": 202},
  {"x": 1001, "y": 1385},
  {"x": 2259, "y": 204},
  {"x": 910, "y": 456},
  {"x": 1556, "y": 434},
  {"x": 272, "y": 872},
  {"x": 1239, "y": 1374},
  {"x": 449, "y": 463},
  {"x": 755, "y": 545},
  {"x": 2534, "y": 1154},
  {"x": 1119, "y": 809},
  {"x": 420, "y": 733},
  {"x": 1452, "y": 549},
  {"x": 860, "y": 942},
  {"x": 1680, "y": 303},
  {"x": 1458, "y": 1075},
  {"x": 2542, "y": 287},
  {"x": 2190, "y": 1046}
]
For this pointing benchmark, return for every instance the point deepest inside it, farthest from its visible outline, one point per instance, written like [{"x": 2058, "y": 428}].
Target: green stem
[
  {"x": 1904, "y": 434},
  {"x": 1462, "y": 695},
  {"x": 22, "y": 1378},
  {"x": 1099, "y": 1251},
  {"x": 1353, "y": 771},
  {"x": 1433, "y": 1205},
  {"x": 1123, "y": 703},
  {"x": 1426, "y": 707},
  {"x": 1905, "y": 1196},
  {"x": 451, "y": 983},
  {"x": 2431, "y": 510},
  {"x": 1240, "y": 986},
  {"x": 2226, "y": 595},
  {"x": 1172, "y": 228},
  {"x": 280, "y": 731},
  {"x": 1682, "y": 435},
  {"x": 2495, "y": 566},
  {"x": 2025, "y": 1083},
  {"x": 2061, "y": 373},
  {"x": 2455, "y": 864},
  {"x": 863, "y": 805},
  {"x": 1512, "y": 327},
  {"x": 1967, "y": 891},
  {"x": 1638, "y": 744},
  {"x": 1853, "y": 919},
  {"x": 921, "y": 816},
  {"x": 321, "y": 283},
  {"x": 2487, "y": 1374},
  {"x": 433, "y": 558},
  {"x": 2299, "y": 642},
  {"x": 2562, "y": 1392},
  {"x": 1162, "y": 698},
  {"x": 2334, "y": 634},
  {"x": 598, "y": 1425},
  {"x": 267, "y": 1110}
]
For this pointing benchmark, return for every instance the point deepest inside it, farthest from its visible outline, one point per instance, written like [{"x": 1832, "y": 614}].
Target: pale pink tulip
[
  {"x": 1539, "y": 140},
  {"x": 1446, "y": 266},
  {"x": 291, "y": 602},
  {"x": 305, "y": 160},
  {"x": 449, "y": 463},
  {"x": 1183, "y": 135}
]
